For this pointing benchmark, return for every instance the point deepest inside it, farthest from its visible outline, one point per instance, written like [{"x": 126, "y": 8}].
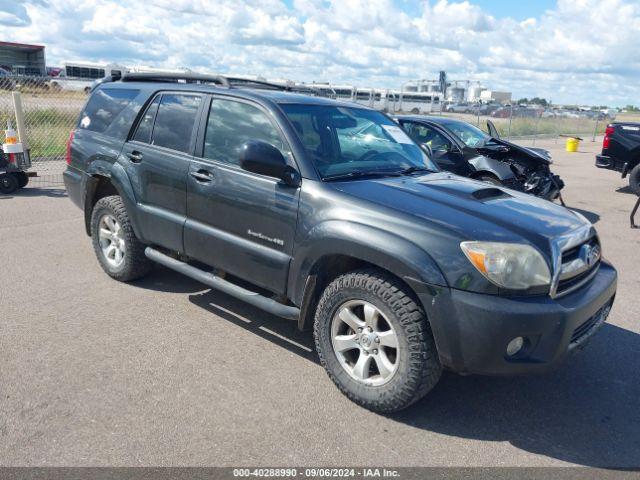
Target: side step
[{"x": 213, "y": 281}]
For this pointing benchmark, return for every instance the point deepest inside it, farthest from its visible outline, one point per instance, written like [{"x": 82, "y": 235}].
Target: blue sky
[
  {"x": 563, "y": 50},
  {"x": 518, "y": 9}
]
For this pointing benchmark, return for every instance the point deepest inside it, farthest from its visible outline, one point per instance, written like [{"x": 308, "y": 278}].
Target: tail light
[
  {"x": 67, "y": 156},
  {"x": 607, "y": 137}
]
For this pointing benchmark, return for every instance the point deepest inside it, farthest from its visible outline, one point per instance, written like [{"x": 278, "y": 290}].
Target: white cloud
[
  {"x": 13, "y": 14},
  {"x": 573, "y": 53}
]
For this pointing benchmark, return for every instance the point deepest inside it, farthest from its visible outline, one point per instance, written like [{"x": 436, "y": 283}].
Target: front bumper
[{"x": 472, "y": 330}]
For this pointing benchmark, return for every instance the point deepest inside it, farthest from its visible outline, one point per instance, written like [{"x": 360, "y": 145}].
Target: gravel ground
[{"x": 166, "y": 372}]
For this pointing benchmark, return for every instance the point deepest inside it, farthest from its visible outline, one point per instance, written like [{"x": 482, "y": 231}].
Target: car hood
[
  {"x": 537, "y": 154},
  {"x": 468, "y": 209}
]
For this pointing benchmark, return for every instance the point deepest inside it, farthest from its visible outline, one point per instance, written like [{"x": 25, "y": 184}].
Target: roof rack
[
  {"x": 192, "y": 77},
  {"x": 175, "y": 77}
]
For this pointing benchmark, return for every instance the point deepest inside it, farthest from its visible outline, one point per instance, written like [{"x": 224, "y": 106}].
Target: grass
[
  {"x": 527, "y": 127},
  {"x": 47, "y": 130}
]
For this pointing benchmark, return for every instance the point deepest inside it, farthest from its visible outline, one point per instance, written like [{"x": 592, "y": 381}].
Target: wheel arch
[
  {"x": 330, "y": 256},
  {"x": 486, "y": 165},
  {"x": 105, "y": 179}
]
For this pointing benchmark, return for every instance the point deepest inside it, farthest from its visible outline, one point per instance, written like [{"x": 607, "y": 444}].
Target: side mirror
[
  {"x": 261, "y": 157},
  {"x": 427, "y": 148}
]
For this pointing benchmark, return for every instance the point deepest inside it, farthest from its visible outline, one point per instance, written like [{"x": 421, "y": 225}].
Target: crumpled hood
[{"x": 468, "y": 209}]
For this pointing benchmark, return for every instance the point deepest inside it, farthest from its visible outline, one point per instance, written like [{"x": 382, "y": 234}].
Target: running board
[{"x": 213, "y": 281}]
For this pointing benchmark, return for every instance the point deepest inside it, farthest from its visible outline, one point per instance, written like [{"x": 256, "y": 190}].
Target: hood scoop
[{"x": 489, "y": 194}]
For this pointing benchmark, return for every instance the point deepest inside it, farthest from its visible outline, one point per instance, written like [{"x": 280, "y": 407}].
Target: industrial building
[
  {"x": 22, "y": 59},
  {"x": 488, "y": 96}
]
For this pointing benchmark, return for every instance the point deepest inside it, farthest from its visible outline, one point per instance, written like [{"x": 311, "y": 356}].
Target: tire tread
[{"x": 424, "y": 365}]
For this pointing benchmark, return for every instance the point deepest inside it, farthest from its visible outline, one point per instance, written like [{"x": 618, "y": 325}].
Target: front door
[
  {"x": 241, "y": 222},
  {"x": 445, "y": 153},
  {"x": 158, "y": 158}
]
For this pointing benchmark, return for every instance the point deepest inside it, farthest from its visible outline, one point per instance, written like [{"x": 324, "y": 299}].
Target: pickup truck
[
  {"x": 328, "y": 214},
  {"x": 621, "y": 152}
]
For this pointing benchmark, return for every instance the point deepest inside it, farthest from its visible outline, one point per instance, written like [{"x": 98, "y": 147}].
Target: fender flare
[
  {"x": 390, "y": 252},
  {"x": 118, "y": 177},
  {"x": 492, "y": 166}
]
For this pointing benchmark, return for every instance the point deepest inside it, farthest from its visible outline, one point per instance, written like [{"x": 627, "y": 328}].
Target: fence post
[
  {"x": 595, "y": 130},
  {"x": 535, "y": 134},
  {"x": 19, "y": 113},
  {"x": 510, "y": 118}
]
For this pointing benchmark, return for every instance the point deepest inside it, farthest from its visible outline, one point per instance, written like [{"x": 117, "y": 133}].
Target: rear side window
[
  {"x": 103, "y": 107},
  {"x": 231, "y": 124},
  {"x": 145, "y": 127},
  {"x": 175, "y": 120}
]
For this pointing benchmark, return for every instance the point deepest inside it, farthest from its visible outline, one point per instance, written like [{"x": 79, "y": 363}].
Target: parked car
[
  {"x": 401, "y": 270},
  {"x": 459, "y": 108},
  {"x": 464, "y": 149},
  {"x": 621, "y": 152},
  {"x": 488, "y": 108}
]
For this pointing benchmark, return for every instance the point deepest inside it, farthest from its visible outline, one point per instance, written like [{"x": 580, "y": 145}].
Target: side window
[
  {"x": 145, "y": 127},
  {"x": 174, "y": 121},
  {"x": 103, "y": 107},
  {"x": 231, "y": 124},
  {"x": 427, "y": 135}
]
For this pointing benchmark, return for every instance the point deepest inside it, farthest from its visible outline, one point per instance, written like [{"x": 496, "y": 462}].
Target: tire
[
  {"x": 634, "y": 179},
  {"x": 132, "y": 263},
  {"x": 415, "y": 367},
  {"x": 488, "y": 178},
  {"x": 8, "y": 183},
  {"x": 22, "y": 178},
  {"x": 415, "y": 111}
]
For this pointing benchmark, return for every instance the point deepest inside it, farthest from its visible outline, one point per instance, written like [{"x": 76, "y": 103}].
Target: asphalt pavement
[{"x": 165, "y": 371}]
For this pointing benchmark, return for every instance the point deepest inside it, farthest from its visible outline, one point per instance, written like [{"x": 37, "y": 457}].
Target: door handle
[
  {"x": 204, "y": 176},
  {"x": 135, "y": 156}
]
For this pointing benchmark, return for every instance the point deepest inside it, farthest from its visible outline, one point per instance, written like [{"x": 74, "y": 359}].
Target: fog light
[{"x": 515, "y": 346}]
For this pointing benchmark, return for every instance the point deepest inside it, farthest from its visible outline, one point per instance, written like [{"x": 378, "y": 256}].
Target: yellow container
[{"x": 572, "y": 144}]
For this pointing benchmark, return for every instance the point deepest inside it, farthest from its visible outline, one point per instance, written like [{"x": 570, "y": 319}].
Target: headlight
[{"x": 508, "y": 265}]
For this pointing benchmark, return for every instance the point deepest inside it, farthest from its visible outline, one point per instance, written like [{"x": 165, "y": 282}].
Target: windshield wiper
[
  {"x": 410, "y": 170},
  {"x": 360, "y": 174}
]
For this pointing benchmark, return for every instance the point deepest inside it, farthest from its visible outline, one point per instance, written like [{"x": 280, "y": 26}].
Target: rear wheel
[
  {"x": 23, "y": 179},
  {"x": 634, "y": 179},
  {"x": 120, "y": 253},
  {"x": 374, "y": 341},
  {"x": 8, "y": 183}
]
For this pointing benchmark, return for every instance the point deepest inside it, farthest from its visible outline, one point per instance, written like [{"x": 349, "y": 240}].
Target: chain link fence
[
  {"x": 51, "y": 112},
  {"x": 50, "y": 115}
]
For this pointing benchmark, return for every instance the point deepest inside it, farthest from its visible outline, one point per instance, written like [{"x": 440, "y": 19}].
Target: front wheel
[
  {"x": 634, "y": 179},
  {"x": 374, "y": 341}
]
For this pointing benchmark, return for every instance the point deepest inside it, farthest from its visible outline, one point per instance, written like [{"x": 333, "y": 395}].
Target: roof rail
[
  {"x": 191, "y": 77},
  {"x": 187, "y": 77}
]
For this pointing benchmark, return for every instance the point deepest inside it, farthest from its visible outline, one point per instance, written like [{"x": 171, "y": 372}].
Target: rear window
[{"x": 103, "y": 107}]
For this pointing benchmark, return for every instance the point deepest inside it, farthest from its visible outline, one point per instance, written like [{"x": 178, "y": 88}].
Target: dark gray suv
[{"x": 327, "y": 213}]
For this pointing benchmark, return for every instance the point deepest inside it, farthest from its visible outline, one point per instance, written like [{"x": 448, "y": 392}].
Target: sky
[{"x": 568, "y": 51}]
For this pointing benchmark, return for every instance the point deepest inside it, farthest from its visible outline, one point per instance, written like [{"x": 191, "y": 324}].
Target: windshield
[
  {"x": 346, "y": 141},
  {"x": 472, "y": 136}
]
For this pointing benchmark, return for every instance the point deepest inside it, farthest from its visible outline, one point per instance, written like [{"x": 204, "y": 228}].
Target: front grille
[{"x": 578, "y": 255}]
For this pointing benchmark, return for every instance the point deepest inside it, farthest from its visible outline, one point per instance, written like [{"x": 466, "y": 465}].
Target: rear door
[
  {"x": 241, "y": 222},
  {"x": 158, "y": 157}
]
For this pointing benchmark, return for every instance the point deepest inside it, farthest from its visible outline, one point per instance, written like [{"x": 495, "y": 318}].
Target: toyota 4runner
[{"x": 339, "y": 221}]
